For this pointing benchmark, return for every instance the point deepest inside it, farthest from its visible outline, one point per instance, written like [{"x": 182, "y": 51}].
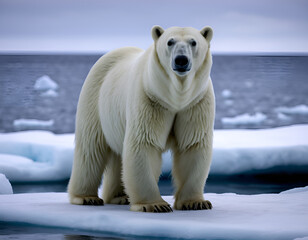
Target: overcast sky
[{"x": 99, "y": 25}]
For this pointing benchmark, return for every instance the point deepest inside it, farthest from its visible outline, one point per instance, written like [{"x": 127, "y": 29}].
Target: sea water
[{"x": 242, "y": 84}]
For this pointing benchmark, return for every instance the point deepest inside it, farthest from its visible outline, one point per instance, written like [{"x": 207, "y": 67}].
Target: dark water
[
  {"x": 257, "y": 84},
  {"x": 17, "y": 231},
  {"x": 240, "y": 184}
]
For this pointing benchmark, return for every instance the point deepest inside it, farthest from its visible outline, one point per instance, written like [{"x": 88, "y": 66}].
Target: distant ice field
[{"x": 34, "y": 156}]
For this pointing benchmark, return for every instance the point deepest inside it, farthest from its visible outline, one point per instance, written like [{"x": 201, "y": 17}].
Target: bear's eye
[
  {"x": 170, "y": 42},
  {"x": 193, "y": 43}
]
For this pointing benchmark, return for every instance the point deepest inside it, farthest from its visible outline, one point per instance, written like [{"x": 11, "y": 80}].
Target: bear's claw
[
  {"x": 156, "y": 208},
  {"x": 83, "y": 200},
  {"x": 93, "y": 201},
  {"x": 197, "y": 205}
]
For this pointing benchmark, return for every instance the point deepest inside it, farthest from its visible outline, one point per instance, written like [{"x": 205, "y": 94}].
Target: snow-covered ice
[
  {"x": 264, "y": 216},
  {"x": 36, "y": 156},
  {"x": 5, "y": 185},
  {"x": 26, "y": 124},
  {"x": 45, "y": 83},
  {"x": 242, "y": 151},
  {"x": 44, "y": 156},
  {"x": 245, "y": 119},
  {"x": 299, "y": 109}
]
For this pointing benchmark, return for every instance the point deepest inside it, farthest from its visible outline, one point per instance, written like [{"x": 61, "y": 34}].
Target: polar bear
[{"x": 133, "y": 106}]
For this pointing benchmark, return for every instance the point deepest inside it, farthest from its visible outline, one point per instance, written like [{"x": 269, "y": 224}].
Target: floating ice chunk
[
  {"x": 262, "y": 216},
  {"x": 245, "y": 119},
  {"x": 263, "y": 150},
  {"x": 5, "y": 185},
  {"x": 299, "y": 109},
  {"x": 24, "y": 124},
  {"x": 45, "y": 83},
  {"x": 36, "y": 156},
  {"x": 50, "y": 93},
  {"x": 226, "y": 93},
  {"x": 20, "y": 169},
  {"x": 283, "y": 117}
]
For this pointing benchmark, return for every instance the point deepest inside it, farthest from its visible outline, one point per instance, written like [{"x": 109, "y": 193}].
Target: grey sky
[{"x": 98, "y": 25}]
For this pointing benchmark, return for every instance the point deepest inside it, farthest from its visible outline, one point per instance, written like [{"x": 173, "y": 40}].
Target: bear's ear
[
  {"x": 207, "y": 33},
  {"x": 157, "y": 31}
]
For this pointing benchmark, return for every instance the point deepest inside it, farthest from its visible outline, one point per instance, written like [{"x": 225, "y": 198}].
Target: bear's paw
[
  {"x": 87, "y": 200},
  {"x": 194, "y": 205},
  {"x": 152, "y": 207}
]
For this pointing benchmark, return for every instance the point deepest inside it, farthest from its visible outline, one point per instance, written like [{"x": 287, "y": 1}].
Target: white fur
[{"x": 132, "y": 107}]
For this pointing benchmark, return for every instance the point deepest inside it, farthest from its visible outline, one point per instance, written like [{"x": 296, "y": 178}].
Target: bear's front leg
[
  {"x": 190, "y": 171},
  {"x": 141, "y": 170}
]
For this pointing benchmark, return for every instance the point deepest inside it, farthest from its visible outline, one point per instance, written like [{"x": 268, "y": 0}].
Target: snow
[
  {"x": 226, "y": 93},
  {"x": 299, "y": 109},
  {"x": 264, "y": 216},
  {"x": 45, "y": 83},
  {"x": 50, "y": 93},
  {"x": 44, "y": 156},
  {"x": 5, "y": 185},
  {"x": 245, "y": 119},
  {"x": 25, "y": 124}
]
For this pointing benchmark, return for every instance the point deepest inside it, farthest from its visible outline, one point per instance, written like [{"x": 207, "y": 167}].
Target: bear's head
[
  {"x": 183, "y": 60},
  {"x": 181, "y": 50}
]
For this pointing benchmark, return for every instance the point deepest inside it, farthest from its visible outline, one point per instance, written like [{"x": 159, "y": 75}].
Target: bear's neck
[{"x": 171, "y": 91}]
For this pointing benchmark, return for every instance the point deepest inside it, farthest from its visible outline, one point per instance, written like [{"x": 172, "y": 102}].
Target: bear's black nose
[
  {"x": 181, "y": 64},
  {"x": 181, "y": 61}
]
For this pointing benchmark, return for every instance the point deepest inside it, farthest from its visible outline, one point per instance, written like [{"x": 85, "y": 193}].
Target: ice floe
[
  {"x": 299, "y": 109},
  {"x": 45, "y": 83},
  {"x": 36, "y": 156},
  {"x": 44, "y": 156},
  {"x": 5, "y": 185},
  {"x": 26, "y": 124},
  {"x": 50, "y": 93},
  {"x": 244, "y": 119},
  {"x": 264, "y": 216},
  {"x": 283, "y": 117}
]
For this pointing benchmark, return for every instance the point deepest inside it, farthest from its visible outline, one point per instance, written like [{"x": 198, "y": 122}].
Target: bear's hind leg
[
  {"x": 113, "y": 189},
  {"x": 88, "y": 167}
]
